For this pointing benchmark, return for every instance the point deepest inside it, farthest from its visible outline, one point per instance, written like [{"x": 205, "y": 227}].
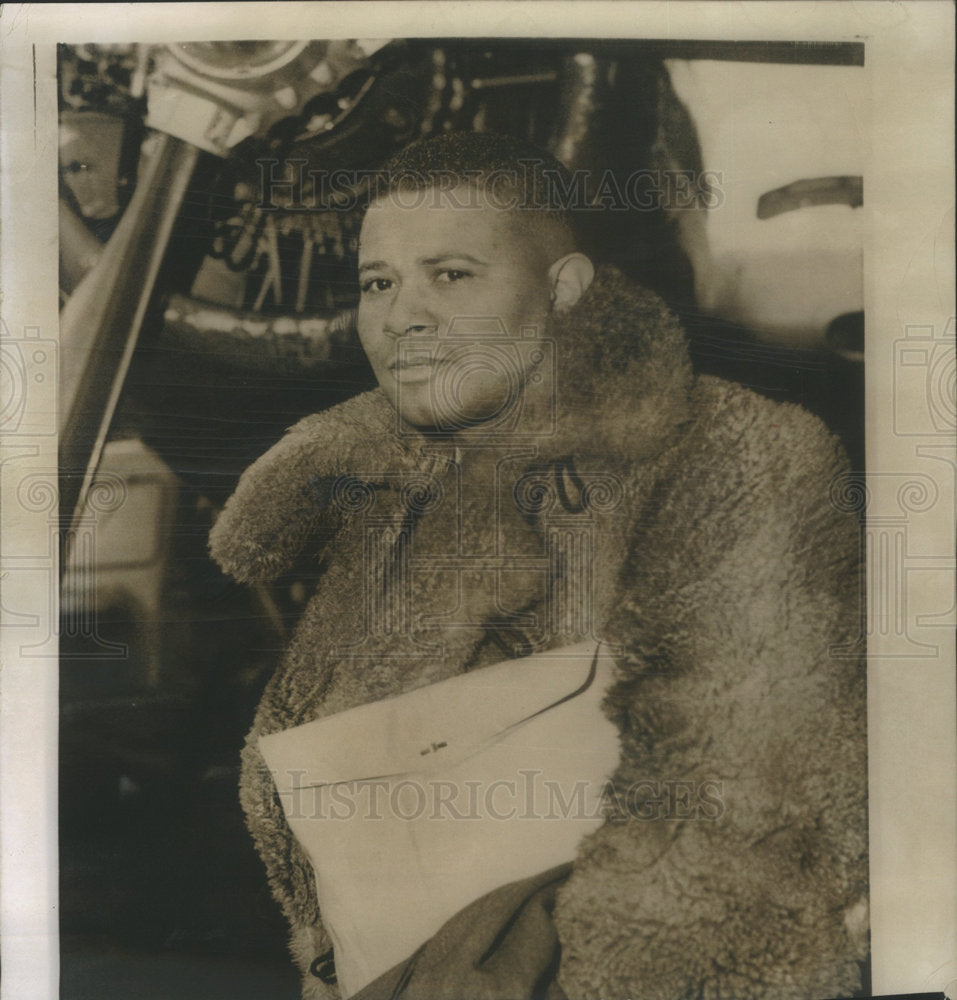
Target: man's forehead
[{"x": 387, "y": 224}]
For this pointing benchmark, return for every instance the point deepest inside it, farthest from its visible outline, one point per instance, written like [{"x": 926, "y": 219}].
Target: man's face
[{"x": 450, "y": 301}]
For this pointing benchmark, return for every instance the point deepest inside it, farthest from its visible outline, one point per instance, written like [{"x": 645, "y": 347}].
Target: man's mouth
[
  {"x": 419, "y": 362},
  {"x": 411, "y": 363}
]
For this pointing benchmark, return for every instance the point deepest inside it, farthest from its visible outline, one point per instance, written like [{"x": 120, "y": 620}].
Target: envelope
[{"x": 412, "y": 807}]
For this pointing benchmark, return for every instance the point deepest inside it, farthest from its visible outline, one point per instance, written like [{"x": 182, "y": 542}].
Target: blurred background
[{"x": 206, "y": 280}]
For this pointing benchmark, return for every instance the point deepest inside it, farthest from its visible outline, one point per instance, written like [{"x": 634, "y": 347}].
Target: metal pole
[{"x": 101, "y": 323}]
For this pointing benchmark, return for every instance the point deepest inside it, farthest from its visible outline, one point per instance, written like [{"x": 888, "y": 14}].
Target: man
[{"x": 541, "y": 490}]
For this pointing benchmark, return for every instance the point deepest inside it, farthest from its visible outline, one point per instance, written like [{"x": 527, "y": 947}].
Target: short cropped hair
[{"x": 501, "y": 170}]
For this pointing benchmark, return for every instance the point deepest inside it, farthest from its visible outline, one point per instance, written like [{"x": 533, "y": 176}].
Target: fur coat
[{"x": 725, "y": 579}]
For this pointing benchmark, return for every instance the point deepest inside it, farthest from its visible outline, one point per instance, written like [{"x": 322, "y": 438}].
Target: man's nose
[{"x": 409, "y": 314}]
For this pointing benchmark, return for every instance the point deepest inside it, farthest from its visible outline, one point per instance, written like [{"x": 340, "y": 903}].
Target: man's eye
[
  {"x": 374, "y": 285},
  {"x": 450, "y": 275}
]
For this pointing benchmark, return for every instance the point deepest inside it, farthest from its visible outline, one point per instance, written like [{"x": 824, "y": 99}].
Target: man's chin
[
  {"x": 416, "y": 411},
  {"x": 444, "y": 425},
  {"x": 419, "y": 407}
]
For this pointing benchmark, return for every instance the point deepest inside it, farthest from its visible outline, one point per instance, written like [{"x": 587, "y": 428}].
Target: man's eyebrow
[
  {"x": 451, "y": 255},
  {"x": 372, "y": 265},
  {"x": 377, "y": 265}
]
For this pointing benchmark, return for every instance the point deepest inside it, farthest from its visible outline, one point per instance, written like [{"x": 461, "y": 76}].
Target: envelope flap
[{"x": 431, "y": 726}]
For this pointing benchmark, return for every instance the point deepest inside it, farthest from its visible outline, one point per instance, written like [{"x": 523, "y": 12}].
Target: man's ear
[{"x": 569, "y": 278}]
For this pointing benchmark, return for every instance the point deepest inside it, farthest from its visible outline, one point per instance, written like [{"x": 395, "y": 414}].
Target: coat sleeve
[
  {"x": 733, "y": 859},
  {"x": 286, "y": 497}
]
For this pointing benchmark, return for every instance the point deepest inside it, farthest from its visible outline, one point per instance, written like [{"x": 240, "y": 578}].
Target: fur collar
[{"x": 623, "y": 373}]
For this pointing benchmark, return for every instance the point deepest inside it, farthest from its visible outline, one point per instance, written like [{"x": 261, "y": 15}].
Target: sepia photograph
[{"x": 477, "y": 503}]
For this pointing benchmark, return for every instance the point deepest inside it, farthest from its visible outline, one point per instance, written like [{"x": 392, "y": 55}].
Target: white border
[{"x": 909, "y": 269}]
